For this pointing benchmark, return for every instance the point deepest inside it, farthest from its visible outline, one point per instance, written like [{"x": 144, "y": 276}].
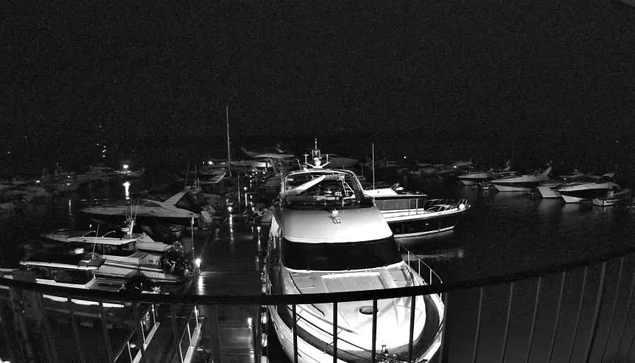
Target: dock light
[
  {"x": 198, "y": 263},
  {"x": 461, "y": 206}
]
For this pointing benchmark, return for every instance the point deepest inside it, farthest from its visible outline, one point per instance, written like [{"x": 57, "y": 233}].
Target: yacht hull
[
  {"x": 311, "y": 349},
  {"x": 513, "y": 187},
  {"x": 419, "y": 225}
]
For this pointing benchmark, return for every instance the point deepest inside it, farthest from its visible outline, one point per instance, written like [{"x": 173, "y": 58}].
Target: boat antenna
[
  {"x": 187, "y": 171},
  {"x": 229, "y": 157},
  {"x": 373, "y": 161}
]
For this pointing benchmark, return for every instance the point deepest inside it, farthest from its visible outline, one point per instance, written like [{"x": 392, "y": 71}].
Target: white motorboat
[
  {"x": 178, "y": 208},
  {"x": 475, "y": 177},
  {"x": 327, "y": 236},
  {"x": 411, "y": 214},
  {"x": 549, "y": 189},
  {"x": 78, "y": 270},
  {"x": 624, "y": 196},
  {"x": 580, "y": 191},
  {"x": 75, "y": 269},
  {"x": 127, "y": 253},
  {"x": 522, "y": 183}
]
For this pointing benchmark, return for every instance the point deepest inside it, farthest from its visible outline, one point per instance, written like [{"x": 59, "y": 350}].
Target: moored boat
[
  {"x": 327, "y": 236},
  {"x": 410, "y": 214},
  {"x": 623, "y": 196},
  {"x": 522, "y": 183},
  {"x": 577, "y": 192},
  {"x": 129, "y": 253}
]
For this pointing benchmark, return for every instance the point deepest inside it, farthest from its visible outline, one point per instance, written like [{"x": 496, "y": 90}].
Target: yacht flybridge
[{"x": 327, "y": 236}]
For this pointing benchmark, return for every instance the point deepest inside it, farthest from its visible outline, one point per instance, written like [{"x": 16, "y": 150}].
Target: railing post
[
  {"x": 76, "y": 331},
  {"x": 177, "y": 345},
  {"x": 509, "y": 314},
  {"x": 626, "y": 314},
  {"x": 139, "y": 329},
  {"x": 413, "y": 307},
  {"x": 374, "y": 333},
  {"x": 478, "y": 324},
  {"x": 443, "y": 326},
  {"x": 295, "y": 333},
  {"x": 615, "y": 296},
  {"x": 335, "y": 332},
  {"x": 557, "y": 319},
  {"x": 577, "y": 319},
  {"x": 104, "y": 328},
  {"x": 596, "y": 313},
  {"x": 533, "y": 319}
]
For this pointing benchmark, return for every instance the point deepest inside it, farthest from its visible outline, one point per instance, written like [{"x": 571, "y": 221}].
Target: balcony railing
[{"x": 578, "y": 311}]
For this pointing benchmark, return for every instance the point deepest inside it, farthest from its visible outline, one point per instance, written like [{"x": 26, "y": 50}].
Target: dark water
[{"x": 501, "y": 233}]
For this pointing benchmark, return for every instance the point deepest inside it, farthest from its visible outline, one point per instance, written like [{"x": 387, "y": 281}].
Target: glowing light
[
  {"x": 126, "y": 189},
  {"x": 125, "y": 166},
  {"x": 461, "y": 206},
  {"x": 198, "y": 262},
  {"x": 210, "y": 163},
  {"x": 249, "y": 322}
]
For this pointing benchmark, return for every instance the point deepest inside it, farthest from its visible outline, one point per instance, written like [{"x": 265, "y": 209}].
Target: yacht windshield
[
  {"x": 340, "y": 256},
  {"x": 324, "y": 189}
]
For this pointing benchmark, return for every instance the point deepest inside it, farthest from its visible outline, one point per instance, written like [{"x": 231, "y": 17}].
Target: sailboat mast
[{"x": 229, "y": 157}]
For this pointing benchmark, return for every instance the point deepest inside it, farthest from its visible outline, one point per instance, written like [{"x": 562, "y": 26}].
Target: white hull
[
  {"x": 511, "y": 188},
  {"x": 548, "y": 192},
  {"x": 573, "y": 199},
  {"x": 308, "y": 353}
]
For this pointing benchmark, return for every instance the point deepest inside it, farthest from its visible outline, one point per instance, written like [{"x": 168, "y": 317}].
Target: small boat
[
  {"x": 129, "y": 253},
  {"x": 623, "y": 196},
  {"x": 580, "y": 191},
  {"x": 77, "y": 269},
  {"x": 410, "y": 214},
  {"x": 475, "y": 177}
]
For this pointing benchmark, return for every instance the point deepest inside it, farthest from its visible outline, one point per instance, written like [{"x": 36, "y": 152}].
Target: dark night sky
[{"x": 543, "y": 78}]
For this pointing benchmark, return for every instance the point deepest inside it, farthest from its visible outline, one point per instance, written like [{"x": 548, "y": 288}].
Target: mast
[
  {"x": 373, "y": 161},
  {"x": 229, "y": 157}
]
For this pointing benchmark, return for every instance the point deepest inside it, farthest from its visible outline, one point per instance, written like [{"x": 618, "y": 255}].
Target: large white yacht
[
  {"x": 522, "y": 183},
  {"x": 326, "y": 236}
]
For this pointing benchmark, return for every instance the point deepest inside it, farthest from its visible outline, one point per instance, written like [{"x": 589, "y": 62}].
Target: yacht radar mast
[{"x": 316, "y": 155}]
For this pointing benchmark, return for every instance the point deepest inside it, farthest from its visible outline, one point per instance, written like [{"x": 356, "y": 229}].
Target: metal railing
[
  {"x": 521, "y": 316},
  {"x": 417, "y": 205},
  {"x": 420, "y": 266}
]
